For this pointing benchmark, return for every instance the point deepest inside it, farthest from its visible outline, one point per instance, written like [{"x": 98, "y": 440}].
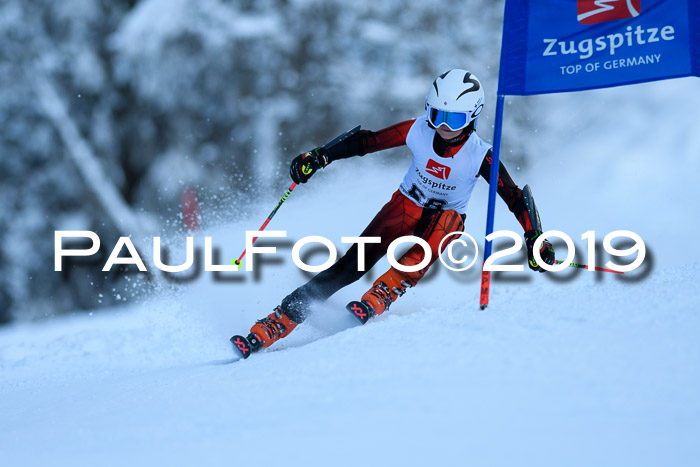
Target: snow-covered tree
[{"x": 215, "y": 94}]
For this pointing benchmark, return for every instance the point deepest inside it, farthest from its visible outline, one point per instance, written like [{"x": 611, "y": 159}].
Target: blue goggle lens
[{"x": 454, "y": 120}]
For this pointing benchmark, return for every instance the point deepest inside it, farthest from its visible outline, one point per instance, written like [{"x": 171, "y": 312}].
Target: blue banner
[{"x": 571, "y": 45}]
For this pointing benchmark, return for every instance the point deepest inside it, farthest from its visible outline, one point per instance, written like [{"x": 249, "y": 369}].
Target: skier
[{"x": 448, "y": 157}]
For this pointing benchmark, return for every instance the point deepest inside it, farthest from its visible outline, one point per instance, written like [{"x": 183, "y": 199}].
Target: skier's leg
[
  {"x": 296, "y": 305},
  {"x": 393, "y": 283},
  {"x": 398, "y": 217}
]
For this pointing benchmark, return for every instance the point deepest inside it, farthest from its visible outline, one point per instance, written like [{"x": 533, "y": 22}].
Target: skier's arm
[
  {"x": 508, "y": 191},
  {"x": 365, "y": 141},
  {"x": 513, "y": 196}
]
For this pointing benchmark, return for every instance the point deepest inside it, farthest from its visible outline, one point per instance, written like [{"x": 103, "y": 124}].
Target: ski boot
[
  {"x": 377, "y": 299},
  {"x": 264, "y": 333}
]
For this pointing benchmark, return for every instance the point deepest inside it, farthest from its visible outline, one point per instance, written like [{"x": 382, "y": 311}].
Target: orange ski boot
[
  {"x": 377, "y": 299},
  {"x": 264, "y": 333}
]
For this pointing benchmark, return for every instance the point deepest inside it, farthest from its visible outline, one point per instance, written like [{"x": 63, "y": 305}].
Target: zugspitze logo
[
  {"x": 599, "y": 11},
  {"x": 437, "y": 170}
]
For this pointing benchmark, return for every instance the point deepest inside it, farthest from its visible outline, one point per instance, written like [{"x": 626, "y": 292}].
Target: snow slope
[{"x": 575, "y": 369}]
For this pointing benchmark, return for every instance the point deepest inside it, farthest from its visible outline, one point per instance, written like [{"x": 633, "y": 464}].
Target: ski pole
[
  {"x": 585, "y": 266},
  {"x": 239, "y": 262},
  {"x": 338, "y": 139}
]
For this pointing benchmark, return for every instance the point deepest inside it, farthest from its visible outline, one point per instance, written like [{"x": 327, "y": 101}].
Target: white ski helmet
[{"x": 455, "y": 99}]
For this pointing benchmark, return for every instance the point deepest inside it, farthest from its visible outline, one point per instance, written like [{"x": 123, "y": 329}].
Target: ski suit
[{"x": 429, "y": 204}]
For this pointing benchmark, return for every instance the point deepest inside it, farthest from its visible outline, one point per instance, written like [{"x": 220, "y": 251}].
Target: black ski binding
[
  {"x": 241, "y": 345},
  {"x": 360, "y": 310}
]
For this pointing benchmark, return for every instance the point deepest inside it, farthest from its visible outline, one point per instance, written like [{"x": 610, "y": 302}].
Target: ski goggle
[{"x": 453, "y": 120}]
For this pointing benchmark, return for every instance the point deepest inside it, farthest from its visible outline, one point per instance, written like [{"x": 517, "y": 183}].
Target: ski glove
[
  {"x": 546, "y": 250},
  {"x": 305, "y": 165}
]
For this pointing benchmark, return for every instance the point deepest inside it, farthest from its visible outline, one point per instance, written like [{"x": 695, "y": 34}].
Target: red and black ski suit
[{"x": 399, "y": 217}]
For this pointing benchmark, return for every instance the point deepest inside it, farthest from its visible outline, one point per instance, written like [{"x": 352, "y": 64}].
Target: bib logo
[
  {"x": 437, "y": 170},
  {"x": 600, "y": 11}
]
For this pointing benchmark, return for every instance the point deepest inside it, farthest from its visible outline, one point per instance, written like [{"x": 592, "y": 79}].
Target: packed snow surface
[{"x": 571, "y": 368}]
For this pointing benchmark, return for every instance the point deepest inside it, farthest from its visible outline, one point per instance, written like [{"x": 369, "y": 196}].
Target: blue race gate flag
[{"x": 571, "y": 45}]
